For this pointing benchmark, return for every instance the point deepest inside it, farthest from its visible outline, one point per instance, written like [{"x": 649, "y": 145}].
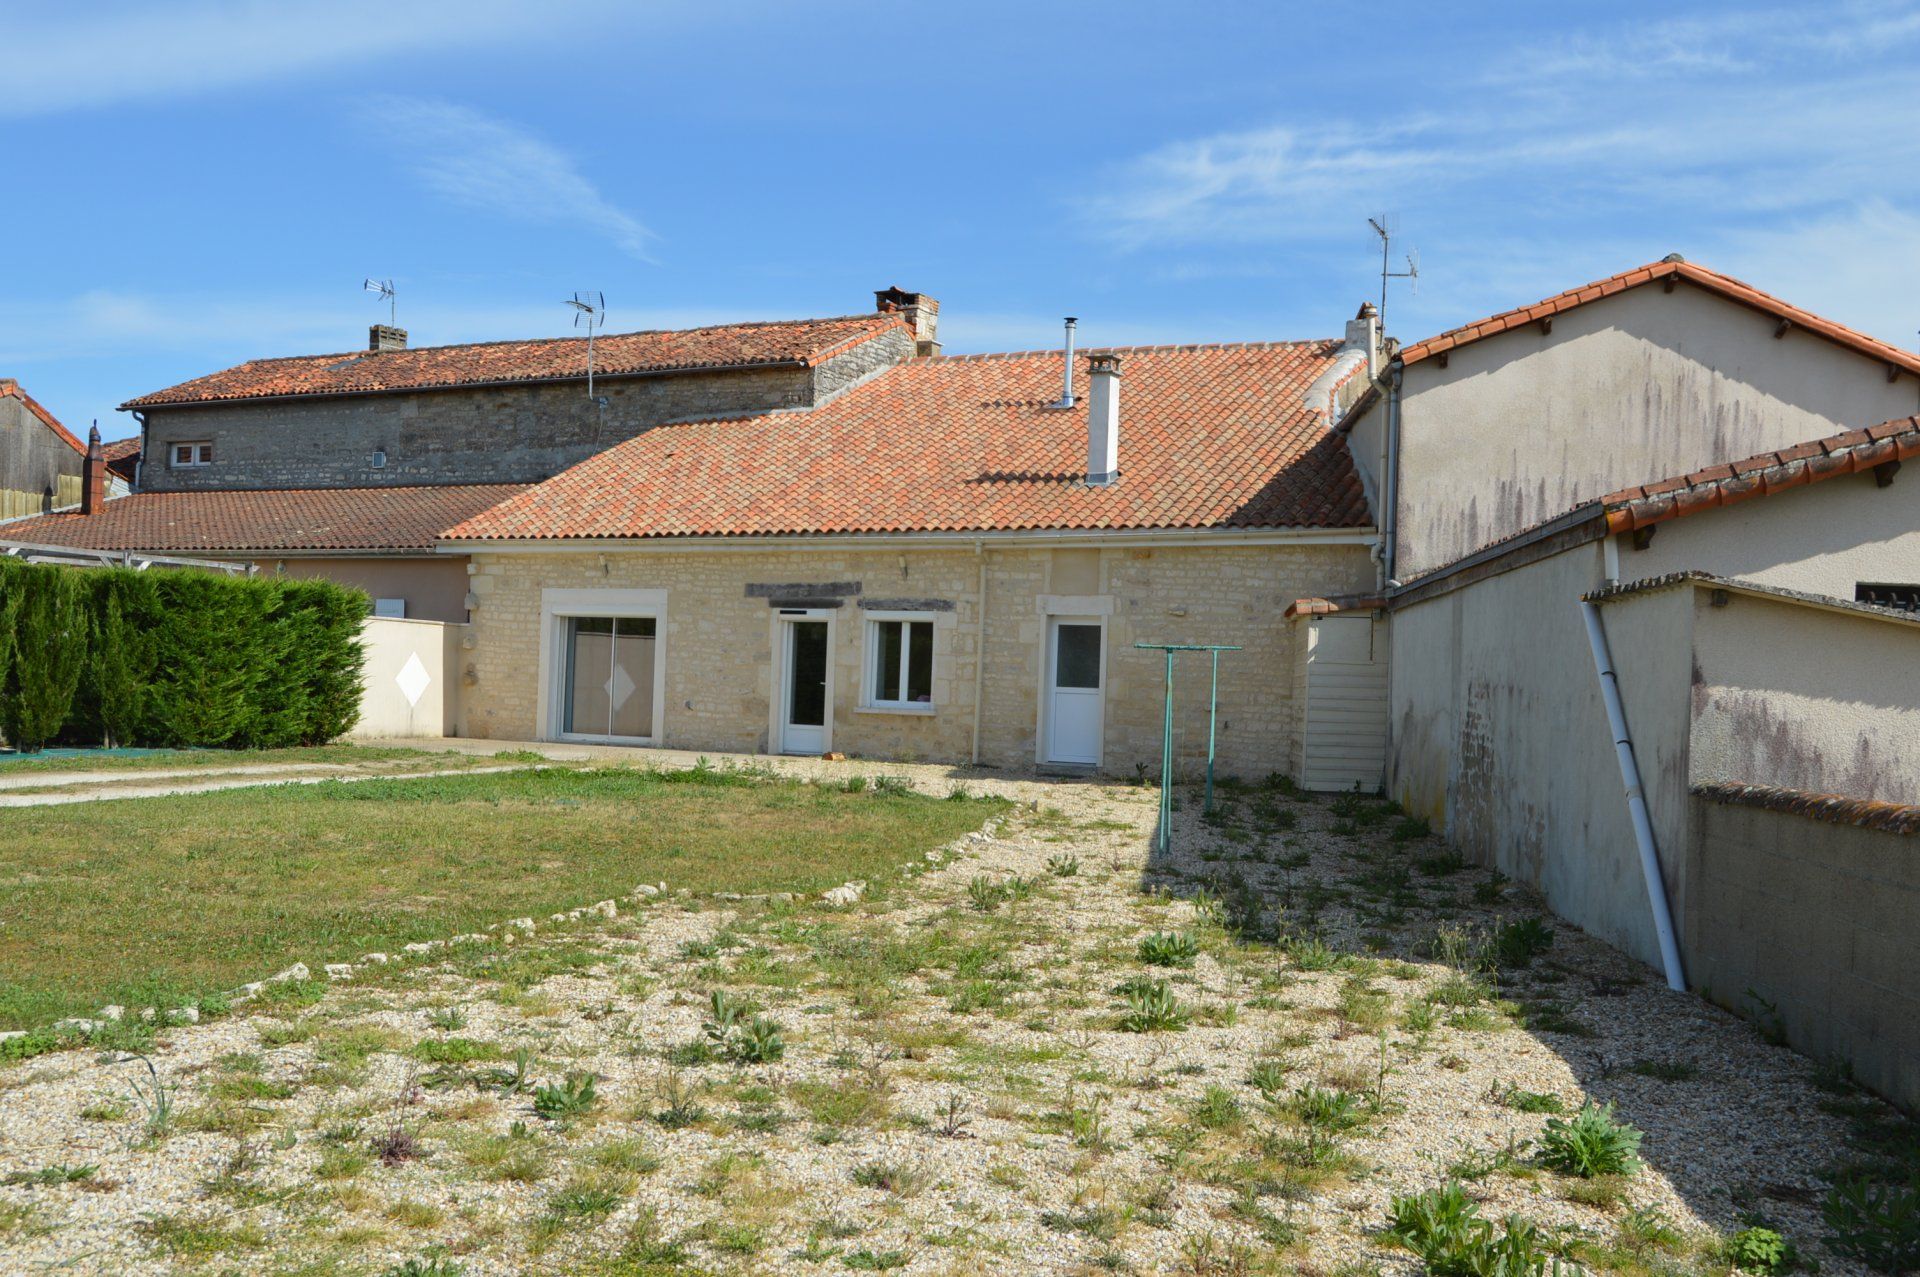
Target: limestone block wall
[
  {"x": 494, "y": 434},
  {"x": 719, "y": 631}
]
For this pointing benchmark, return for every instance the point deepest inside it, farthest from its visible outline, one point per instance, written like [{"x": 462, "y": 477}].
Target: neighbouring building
[
  {"x": 40, "y": 460},
  {"x": 1673, "y": 476},
  {"x": 349, "y": 465}
]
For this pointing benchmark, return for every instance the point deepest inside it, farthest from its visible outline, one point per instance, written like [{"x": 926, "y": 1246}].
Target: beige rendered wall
[
  {"x": 1641, "y": 386},
  {"x": 718, "y": 642},
  {"x": 435, "y": 588},
  {"x": 1500, "y": 736},
  {"x": 1804, "y": 698},
  {"x": 1821, "y": 919},
  {"x": 1822, "y": 539},
  {"x": 409, "y": 684}
]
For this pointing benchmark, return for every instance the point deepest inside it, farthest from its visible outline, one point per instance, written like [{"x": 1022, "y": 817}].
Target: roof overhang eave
[
  {"x": 1058, "y": 538},
  {"x": 147, "y": 405}
]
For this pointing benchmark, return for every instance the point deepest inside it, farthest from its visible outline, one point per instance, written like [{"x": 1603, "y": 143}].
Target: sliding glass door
[{"x": 609, "y": 680}]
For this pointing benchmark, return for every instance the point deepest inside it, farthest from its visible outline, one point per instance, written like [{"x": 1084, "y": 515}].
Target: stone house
[
  {"x": 953, "y": 560},
  {"x": 1656, "y": 579}
]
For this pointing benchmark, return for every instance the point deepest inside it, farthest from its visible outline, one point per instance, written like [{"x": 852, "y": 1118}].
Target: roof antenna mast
[
  {"x": 590, "y": 313},
  {"x": 385, "y": 288},
  {"x": 1384, "y": 226}
]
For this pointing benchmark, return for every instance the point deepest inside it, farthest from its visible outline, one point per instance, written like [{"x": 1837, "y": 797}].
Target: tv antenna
[
  {"x": 385, "y": 288},
  {"x": 1384, "y": 227},
  {"x": 590, "y": 313}
]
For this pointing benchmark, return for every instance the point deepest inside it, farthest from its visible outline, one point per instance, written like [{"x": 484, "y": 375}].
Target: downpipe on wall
[{"x": 1636, "y": 798}]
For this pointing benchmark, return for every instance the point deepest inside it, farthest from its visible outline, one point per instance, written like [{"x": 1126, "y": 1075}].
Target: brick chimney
[
  {"x": 386, "y": 337},
  {"x": 921, "y": 312},
  {"x": 93, "y": 482}
]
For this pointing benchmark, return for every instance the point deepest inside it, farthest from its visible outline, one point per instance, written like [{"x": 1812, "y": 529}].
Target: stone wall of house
[
  {"x": 719, "y": 632},
  {"x": 495, "y": 434}
]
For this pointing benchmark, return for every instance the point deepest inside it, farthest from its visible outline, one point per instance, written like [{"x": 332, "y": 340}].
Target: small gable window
[{"x": 191, "y": 454}]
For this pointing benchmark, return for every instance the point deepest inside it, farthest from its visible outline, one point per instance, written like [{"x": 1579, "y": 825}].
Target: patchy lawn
[
  {"x": 1310, "y": 1042},
  {"x": 162, "y": 900}
]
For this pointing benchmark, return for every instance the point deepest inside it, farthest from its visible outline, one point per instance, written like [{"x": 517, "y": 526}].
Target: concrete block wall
[
  {"x": 1823, "y": 920},
  {"x": 719, "y": 643},
  {"x": 495, "y": 434}
]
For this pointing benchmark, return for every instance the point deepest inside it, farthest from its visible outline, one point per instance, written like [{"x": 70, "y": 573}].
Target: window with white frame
[
  {"x": 900, "y": 662},
  {"x": 191, "y": 454}
]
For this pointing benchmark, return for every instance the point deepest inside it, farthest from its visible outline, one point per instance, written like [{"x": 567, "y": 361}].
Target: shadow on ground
[{"x": 1745, "y": 1131}]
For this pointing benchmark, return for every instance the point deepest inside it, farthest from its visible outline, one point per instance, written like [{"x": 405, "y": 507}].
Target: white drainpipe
[{"x": 1636, "y": 799}]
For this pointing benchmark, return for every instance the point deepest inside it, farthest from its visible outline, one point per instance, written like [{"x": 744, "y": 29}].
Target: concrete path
[
  {"x": 50, "y": 780},
  {"x": 202, "y": 783}
]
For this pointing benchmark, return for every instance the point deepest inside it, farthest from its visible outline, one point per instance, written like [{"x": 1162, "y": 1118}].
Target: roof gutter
[{"x": 1084, "y": 539}]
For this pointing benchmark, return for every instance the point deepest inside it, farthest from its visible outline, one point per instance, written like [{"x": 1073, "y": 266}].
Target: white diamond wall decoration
[
  {"x": 413, "y": 679},
  {"x": 620, "y": 686}
]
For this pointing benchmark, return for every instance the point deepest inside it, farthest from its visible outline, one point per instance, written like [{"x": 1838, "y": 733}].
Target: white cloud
[
  {"x": 1859, "y": 265},
  {"x": 489, "y": 164},
  {"x": 1754, "y": 119},
  {"x": 80, "y": 56},
  {"x": 214, "y": 329}
]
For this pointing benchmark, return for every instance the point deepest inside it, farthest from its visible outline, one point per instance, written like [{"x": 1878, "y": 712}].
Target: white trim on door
[
  {"x": 783, "y": 619},
  {"x": 557, "y": 607},
  {"x": 1045, "y": 750}
]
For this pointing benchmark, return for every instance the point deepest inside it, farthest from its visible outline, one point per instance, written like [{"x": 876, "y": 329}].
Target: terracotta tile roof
[
  {"x": 122, "y": 455},
  {"x": 342, "y": 519},
  {"x": 11, "y": 388},
  {"x": 1834, "y": 809},
  {"x": 803, "y": 342},
  {"x": 1214, "y": 436},
  {"x": 1713, "y": 281},
  {"x": 1723, "y": 485},
  {"x": 1334, "y": 606}
]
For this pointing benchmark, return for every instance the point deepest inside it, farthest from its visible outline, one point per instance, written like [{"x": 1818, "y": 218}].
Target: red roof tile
[
  {"x": 803, "y": 342},
  {"x": 1713, "y": 281},
  {"x": 10, "y": 387},
  {"x": 1215, "y": 436},
  {"x": 122, "y": 455},
  {"x": 1763, "y": 475},
  {"x": 1332, "y": 607},
  {"x": 323, "y": 519}
]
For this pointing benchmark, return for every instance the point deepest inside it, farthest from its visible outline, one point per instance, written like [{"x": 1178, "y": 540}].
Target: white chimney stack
[
  {"x": 1363, "y": 335},
  {"x": 1103, "y": 420}
]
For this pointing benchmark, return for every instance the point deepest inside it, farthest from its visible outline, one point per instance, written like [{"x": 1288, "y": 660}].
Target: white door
[
  {"x": 1075, "y": 698},
  {"x": 803, "y": 712}
]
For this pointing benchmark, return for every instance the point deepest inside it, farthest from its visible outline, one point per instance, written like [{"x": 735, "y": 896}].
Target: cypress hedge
[{"x": 92, "y": 656}]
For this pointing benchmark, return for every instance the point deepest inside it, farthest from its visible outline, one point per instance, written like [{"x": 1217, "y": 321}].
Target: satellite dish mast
[
  {"x": 1384, "y": 227},
  {"x": 385, "y": 288},
  {"x": 590, "y": 313}
]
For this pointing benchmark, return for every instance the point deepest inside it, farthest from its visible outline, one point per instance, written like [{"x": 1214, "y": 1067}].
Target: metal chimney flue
[{"x": 1066, "y": 383}]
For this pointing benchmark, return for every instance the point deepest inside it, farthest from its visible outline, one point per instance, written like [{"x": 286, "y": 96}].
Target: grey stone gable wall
[{"x": 493, "y": 434}]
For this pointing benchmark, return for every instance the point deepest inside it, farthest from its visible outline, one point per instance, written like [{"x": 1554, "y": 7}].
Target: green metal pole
[
  {"x": 1166, "y": 764},
  {"x": 1213, "y": 705}
]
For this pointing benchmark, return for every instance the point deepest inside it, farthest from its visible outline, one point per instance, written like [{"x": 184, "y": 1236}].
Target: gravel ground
[{"x": 956, "y": 1092}]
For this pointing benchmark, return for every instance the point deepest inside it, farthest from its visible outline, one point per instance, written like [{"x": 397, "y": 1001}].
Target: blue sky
[{"x": 195, "y": 184}]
